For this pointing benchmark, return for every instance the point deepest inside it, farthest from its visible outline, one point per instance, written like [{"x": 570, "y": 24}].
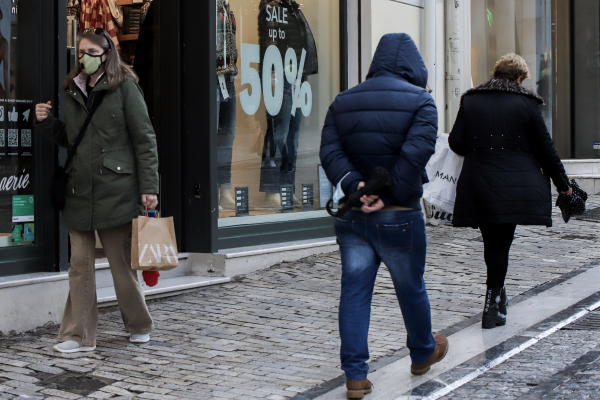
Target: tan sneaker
[
  {"x": 441, "y": 349},
  {"x": 358, "y": 388}
]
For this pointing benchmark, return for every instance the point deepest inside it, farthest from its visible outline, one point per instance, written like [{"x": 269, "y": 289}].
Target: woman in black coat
[{"x": 509, "y": 156}]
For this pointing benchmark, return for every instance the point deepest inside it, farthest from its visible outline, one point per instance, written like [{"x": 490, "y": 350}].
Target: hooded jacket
[
  {"x": 501, "y": 133},
  {"x": 388, "y": 121}
]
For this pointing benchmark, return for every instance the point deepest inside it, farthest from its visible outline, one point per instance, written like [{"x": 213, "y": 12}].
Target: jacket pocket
[
  {"x": 118, "y": 166},
  {"x": 395, "y": 239}
]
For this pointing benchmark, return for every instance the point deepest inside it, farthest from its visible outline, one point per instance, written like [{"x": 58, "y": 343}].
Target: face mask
[{"x": 91, "y": 64}]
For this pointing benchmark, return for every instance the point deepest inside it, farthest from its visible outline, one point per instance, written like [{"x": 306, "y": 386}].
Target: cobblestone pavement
[{"x": 273, "y": 334}]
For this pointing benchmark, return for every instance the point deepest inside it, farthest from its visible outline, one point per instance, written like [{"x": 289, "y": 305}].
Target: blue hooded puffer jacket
[{"x": 388, "y": 121}]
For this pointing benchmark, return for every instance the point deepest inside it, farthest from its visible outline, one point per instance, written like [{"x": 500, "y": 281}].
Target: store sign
[
  {"x": 12, "y": 183},
  {"x": 23, "y": 208},
  {"x": 273, "y": 62}
]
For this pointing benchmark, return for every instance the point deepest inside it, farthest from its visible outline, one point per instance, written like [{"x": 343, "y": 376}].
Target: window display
[
  {"x": 17, "y": 186},
  {"x": 523, "y": 27},
  {"x": 277, "y": 73}
]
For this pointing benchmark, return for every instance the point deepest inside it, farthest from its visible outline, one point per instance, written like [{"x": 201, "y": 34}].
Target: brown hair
[
  {"x": 116, "y": 69},
  {"x": 511, "y": 67}
]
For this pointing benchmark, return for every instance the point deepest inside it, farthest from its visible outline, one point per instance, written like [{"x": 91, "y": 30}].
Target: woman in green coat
[{"x": 113, "y": 175}]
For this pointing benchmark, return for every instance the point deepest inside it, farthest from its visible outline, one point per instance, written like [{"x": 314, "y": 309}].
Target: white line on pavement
[{"x": 497, "y": 361}]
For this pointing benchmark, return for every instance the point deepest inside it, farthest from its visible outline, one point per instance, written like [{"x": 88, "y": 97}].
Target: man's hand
[
  {"x": 42, "y": 111},
  {"x": 370, "y": 203},
  {"x": 150, "y": 201}
]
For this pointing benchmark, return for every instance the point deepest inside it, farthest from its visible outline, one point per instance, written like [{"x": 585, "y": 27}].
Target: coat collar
[
  {"x": 502, "y": 85},
  {"x": 80, "y": 81}
]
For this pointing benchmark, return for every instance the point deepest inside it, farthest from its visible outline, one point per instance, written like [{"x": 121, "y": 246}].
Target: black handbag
[
  {"x": 574, "y": 204},
  {"x": 60, "y": 177}
]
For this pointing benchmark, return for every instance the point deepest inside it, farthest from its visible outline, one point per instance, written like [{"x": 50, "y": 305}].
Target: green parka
[{"x": 115, "y": 163}]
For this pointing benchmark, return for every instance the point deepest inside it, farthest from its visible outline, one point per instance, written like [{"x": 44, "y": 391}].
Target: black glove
[{"x": 380, "y": 182}]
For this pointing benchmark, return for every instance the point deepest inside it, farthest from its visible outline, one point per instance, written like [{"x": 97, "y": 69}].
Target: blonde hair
[
  {"x": 116, "y": 69},
  {"x": 511, "y": 67}
]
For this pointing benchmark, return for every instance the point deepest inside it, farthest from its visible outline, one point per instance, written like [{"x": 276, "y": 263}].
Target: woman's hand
[
  {"x": 569, "y": 193},
  {"x": 370, "y": 203},
  {"x": 42, "y": 111},
  {"x": 150, "y": 201}
]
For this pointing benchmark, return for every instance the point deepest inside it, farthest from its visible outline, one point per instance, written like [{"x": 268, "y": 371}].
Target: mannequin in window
[
  {"x": 284, "y": 128},
  {"x": 227, "y": 57}
]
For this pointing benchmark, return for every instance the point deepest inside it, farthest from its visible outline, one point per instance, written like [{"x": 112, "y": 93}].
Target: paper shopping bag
[{"x": 153, "y": 244}]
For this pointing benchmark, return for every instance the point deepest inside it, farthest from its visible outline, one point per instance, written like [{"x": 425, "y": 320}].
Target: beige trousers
[{"x": 80, "y": 320}]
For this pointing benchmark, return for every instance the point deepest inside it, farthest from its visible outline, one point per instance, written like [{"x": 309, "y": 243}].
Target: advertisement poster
[
  {"x": 23, "y": 209},
  {"x": 5, "y": 29}
]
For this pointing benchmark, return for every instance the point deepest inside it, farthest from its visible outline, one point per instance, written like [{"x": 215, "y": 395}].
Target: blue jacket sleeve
[
  {"x": 416, "y": 151},
  {"x": 334, "y": 160}
]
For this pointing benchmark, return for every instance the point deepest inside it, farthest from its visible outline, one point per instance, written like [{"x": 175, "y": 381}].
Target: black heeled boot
[
  {"x": 503, "y": 302},
  {"x": 492, "y": 316}
]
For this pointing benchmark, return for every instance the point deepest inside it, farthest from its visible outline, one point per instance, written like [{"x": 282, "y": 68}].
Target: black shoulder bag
[{"x": 60, "y": 177}]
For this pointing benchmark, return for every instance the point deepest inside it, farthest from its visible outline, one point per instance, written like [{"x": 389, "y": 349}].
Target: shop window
[
  {"x": 586, "y": 78},
  {"x": 17, "y": 164},
  {"x": 499, "y": 27},
  {"x": 277, "y": 72}
]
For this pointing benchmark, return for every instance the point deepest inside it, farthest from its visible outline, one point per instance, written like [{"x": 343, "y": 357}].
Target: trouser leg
[
  {"x": 497, "y": 240},
  {"x": 130, "y": 296},
  {"x": 359, "y": 270},
  {"x": 402, "y": 246},
  {"x": 80, "y": 319}
]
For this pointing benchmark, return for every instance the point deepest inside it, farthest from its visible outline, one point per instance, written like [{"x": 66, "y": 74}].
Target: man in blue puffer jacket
[{"x": 388, "y": 121}]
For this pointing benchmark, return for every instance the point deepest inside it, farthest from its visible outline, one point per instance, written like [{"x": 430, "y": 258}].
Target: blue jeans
[{"x": 398, "y": 239}]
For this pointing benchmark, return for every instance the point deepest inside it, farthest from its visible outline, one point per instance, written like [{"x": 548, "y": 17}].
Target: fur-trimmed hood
[{"x": 502, "y": 85}]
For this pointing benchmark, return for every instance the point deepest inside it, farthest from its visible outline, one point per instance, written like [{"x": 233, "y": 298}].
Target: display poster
[
  {"x": 23, "y": 209},
  {"x": 29, "y": 232},
  {"x": 6, "y": 12},
  {"x": 17, "y": 233}
]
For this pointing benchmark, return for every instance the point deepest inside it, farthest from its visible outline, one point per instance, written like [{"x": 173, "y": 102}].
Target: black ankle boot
[
  {"x": 503, "y": 302},
  {"x": 492, "y": 316}
]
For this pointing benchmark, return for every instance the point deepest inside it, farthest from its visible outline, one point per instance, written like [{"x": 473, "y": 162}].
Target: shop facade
[{"x": 238, "y": 91}]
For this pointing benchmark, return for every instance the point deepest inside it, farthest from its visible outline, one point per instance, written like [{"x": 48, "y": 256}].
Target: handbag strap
[{"x": 100, "y": 97}]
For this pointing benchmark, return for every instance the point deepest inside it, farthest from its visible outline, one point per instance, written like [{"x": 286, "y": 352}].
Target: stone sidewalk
[{"x": 273, "y": 334}]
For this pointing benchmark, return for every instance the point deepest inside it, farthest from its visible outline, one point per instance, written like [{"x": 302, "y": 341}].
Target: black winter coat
[{"x": 509, "y": 156}]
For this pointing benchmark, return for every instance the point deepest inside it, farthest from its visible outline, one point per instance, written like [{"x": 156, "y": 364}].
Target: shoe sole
[
  {"x": 425, "y": 370},
  {"x": 77, "y": 350},
  {"x": 358, "y": 394},
  {"x": 491, "y": 324},
  {"x": 139, "y": 341}
]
